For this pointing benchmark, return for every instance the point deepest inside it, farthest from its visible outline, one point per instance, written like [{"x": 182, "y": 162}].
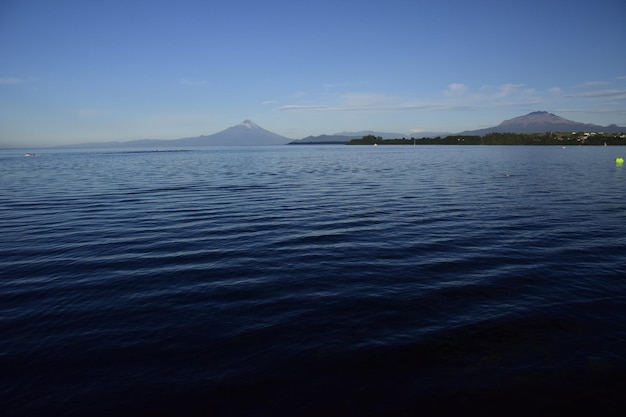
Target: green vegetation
[{"x": 549, "y": 138}]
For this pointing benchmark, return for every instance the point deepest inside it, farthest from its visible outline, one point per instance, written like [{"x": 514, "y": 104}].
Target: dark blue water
[{"x": 331, "y": 280}]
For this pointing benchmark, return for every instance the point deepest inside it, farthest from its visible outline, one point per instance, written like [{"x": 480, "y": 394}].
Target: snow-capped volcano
[
  {"x": 245, "y": 133},
  {"x": 250, "y": 124}
]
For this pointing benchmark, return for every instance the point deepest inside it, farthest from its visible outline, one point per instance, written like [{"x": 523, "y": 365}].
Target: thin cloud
[
  {"x": 303, "y": 107},
  {"x": 354, "y": 101},
  {"x": 373, "y": 101},
  {"x": 534, "y": 103},
  {"x": 591, "y": 111},
  {"x": 269, "y": 102},
  {"x": 397, "y": 107},
  {"x": 455, "y": 89},
  {"x": 591, "y": 84},
  {"x": 506, "y": 90},
  {"x": 454, "y": 98},
  {"x": 10, "y": 80},
  {"x": 600, "y": 93}
]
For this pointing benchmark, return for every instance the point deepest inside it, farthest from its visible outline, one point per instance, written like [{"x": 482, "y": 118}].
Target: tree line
[{"x": 549, "y": 138}]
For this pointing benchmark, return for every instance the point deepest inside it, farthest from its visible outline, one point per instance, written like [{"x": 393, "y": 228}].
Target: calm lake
[{"x": 313, "y": 281}]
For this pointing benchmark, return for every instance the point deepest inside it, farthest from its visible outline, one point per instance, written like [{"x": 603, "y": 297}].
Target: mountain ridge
[
  {"x": 248, "y": 133},
  {"x": 345, "y": 137},
  {"x": 541, "y": 122}
]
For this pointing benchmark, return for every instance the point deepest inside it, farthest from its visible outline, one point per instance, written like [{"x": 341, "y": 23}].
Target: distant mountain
[
  {"x": 323, "y": 139},
  {"x": 345, "y": 137},
  {"x": 540, "y": 122},
  {"x": 361, "y": 133},
  {"x": 393, "y": 135},
  {"x": 245, "y": 133}
]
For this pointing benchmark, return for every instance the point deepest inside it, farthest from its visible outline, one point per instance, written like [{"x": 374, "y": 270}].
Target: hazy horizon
[{"x": 75, "y": 72}]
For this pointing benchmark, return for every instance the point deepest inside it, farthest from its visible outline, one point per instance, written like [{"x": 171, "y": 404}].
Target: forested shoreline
[{"x": 549, "y": 138}]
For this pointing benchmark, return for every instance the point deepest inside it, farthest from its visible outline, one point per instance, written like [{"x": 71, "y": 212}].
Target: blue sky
[{"x": 80, "y": 71}]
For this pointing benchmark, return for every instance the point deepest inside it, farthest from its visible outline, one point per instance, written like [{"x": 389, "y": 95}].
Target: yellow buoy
[{"x": 619, "y": 160}]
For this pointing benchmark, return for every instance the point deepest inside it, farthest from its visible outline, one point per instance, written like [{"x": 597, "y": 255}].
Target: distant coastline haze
[{"x": 248, "y": 133}]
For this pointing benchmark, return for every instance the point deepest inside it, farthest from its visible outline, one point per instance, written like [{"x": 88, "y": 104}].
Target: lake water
[{"x": 313, "y": 280}]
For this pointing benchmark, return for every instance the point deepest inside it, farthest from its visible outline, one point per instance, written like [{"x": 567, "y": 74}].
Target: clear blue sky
[{"x": 79, "y": 71}]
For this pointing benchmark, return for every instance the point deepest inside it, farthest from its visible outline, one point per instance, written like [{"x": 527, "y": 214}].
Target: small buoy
[{"x": 619, "y": 160}]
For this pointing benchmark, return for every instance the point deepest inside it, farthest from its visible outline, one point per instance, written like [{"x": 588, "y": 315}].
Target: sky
[{"x": 74, "y": 71}]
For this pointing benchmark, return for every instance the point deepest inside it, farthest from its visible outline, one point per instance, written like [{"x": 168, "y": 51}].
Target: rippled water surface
[{"x": 321, "y": 280}]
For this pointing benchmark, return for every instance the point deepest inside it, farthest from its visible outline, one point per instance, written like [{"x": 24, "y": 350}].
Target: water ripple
[{"x": 244, "y": 268}]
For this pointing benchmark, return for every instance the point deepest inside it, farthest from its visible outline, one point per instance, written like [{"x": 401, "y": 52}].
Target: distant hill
[
  {"x": 342, "y": 138},
  {"x": 345, "y": 137},
  {"x": 245, "y": 133},
  {"x": 361, "y": 133},
  {"x": 393, "y": 135},
  {"x": 541, "y": 122},
  {"x": 323, "y": 139}
]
